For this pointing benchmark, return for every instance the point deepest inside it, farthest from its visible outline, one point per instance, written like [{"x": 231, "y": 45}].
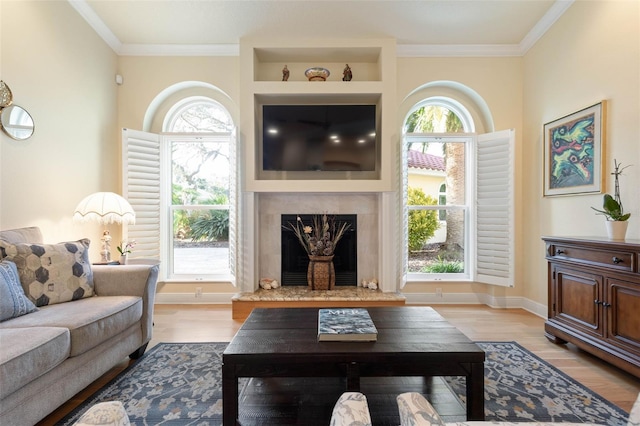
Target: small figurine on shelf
[
  {"x": 285, "y": 73},
  {"x": 347, "y": 75}
]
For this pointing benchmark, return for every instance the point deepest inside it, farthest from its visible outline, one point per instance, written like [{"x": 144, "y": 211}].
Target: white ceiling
[{"x": 421, "y": 28}]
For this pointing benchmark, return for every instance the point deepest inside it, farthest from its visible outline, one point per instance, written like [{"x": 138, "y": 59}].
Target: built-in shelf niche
[
  {"x": 373, "y": 65},
  {"x": 363, "y": 61}
]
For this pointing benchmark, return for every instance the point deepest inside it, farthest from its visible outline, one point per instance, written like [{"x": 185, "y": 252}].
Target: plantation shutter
[
  {"x": 233, "y": 203},
  {"x": 404, "y": 213},
  {"x": 495, "y": 260},
  {"x": 141, "y": 187}
]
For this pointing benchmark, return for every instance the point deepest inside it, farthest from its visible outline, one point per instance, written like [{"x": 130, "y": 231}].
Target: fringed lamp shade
[{"x": 105, "y": 207}]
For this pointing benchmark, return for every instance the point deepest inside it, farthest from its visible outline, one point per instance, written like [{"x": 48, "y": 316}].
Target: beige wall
[
  {"x": 147, "y": 78},
  {"x": 62, "y": 72},
  {"x": 592, "y": 53}
]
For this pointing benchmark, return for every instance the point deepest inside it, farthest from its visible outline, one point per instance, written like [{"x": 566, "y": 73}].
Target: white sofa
[{"x": 50, "y": 354}]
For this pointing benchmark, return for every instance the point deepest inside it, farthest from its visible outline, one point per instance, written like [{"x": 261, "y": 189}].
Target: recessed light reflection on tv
[{"x": 319, "y": 137}]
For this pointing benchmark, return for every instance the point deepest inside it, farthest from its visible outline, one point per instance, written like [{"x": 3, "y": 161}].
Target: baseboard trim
[
  {"x": 477, "y": 299},
  {"x": 191, "y": 299},
  {"x": 411, "y": 299}
]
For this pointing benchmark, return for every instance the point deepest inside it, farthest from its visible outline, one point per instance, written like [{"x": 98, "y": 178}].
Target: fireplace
[{"x": 295, "y": 259}]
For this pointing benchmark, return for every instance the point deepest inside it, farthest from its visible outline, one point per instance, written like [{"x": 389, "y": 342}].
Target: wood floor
[{"x": 213, "y": 323}]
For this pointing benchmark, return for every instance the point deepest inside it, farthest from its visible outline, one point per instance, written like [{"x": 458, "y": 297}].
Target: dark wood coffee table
[{"x": 412, "y": 341}]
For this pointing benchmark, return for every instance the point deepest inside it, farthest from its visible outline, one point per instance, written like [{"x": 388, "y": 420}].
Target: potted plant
[
  {"x": 124, "y": 249},
  {"x": 613, "y": 209}
]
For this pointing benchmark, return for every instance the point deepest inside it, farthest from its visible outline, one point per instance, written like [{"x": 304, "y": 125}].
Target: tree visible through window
[
  {"x": 442, "y": 252},
  {"x": 200, "y": 164}
]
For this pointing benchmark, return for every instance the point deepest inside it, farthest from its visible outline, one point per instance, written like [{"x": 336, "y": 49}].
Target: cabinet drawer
[{"x": 620, "y": 260}]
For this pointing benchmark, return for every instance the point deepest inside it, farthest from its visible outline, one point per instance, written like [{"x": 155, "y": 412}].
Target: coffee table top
[{"x": 285, "y": 333}]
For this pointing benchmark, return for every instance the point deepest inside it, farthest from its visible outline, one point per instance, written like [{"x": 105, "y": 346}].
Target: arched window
[
  {"x": 200, "y": 163},
  {"x": 197, "y": 115},
  {"x": 437, "y": 221},
  {"x": 459, "y": 229}
]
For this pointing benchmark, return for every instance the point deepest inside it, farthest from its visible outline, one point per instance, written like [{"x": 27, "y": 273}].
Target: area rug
[{"x": 180, "y": 384}]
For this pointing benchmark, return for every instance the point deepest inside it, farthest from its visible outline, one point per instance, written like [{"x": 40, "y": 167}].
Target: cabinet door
[
  {"x": 578, "y": 300},
  {"x": 623, "y": 318}
]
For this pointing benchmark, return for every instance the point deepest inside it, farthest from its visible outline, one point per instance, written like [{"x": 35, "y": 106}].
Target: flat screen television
[{"x": 319, "y": 137}]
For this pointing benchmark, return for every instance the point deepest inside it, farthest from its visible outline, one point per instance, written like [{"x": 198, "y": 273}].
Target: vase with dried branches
[{"x": 319, "y": 240}]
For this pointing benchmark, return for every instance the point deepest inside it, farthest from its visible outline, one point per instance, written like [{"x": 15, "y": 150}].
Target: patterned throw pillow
[
  {"x": 13, "y": 302},
  {"x": 52, "y": 273}
]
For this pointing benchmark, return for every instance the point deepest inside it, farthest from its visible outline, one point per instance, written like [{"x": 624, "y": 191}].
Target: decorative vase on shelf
[
  {"x": 321, "y": 274},
  {"x": 617, "y": 229},
  {"x": 317, "y": 74},
  {"x": 123, "y": 259}
]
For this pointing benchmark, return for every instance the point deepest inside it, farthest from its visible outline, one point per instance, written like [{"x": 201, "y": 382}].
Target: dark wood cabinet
[{"x": 594, "y": 297}]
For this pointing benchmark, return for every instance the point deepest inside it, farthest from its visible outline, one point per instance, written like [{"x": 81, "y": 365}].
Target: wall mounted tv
[{"x": 319, "y": 138}]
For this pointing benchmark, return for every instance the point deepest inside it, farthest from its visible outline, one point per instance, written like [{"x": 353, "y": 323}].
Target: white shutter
[
  {"x": 141, "y": 187},
  {"x": 495, "y": 259},
  {"x": 233, "y": 203},
  {"x": 404, "y": 212}
]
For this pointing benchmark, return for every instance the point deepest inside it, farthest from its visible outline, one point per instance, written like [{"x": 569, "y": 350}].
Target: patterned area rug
[
  {"x": 519, "y": 386},
  {"x": 180, "y": 384}
]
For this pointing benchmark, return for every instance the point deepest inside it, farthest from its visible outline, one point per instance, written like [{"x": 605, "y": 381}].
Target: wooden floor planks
[{"x": 213, "y": 323}]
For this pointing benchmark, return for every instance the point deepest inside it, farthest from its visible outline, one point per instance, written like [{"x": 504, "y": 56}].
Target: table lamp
[{"x": 105, "y": 208}]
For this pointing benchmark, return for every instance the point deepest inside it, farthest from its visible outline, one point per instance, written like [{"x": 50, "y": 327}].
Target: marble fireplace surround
[{"x": 272, "y": 205}]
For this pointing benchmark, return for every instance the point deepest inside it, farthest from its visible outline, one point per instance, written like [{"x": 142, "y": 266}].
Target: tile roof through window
[{"x": 419, "y": 160}]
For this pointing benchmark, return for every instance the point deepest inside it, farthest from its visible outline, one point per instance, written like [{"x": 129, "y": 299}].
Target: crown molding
[
  {"x": 98, "y": 25},
  {"x": 402, "y": 50},
  {"x": 553, "y": 14}
]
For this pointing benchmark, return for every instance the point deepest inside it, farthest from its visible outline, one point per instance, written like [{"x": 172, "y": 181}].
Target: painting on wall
[{"x": 573, "y": 152}]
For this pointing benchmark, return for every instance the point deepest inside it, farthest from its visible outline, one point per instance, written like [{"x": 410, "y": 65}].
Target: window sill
[{"x": 438, "y": 278}]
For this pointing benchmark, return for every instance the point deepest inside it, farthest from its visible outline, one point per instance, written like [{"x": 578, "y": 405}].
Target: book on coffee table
[{"x": 346, "y": 325}]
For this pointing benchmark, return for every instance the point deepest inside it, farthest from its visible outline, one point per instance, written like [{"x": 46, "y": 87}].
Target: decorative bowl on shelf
[{"x": 317, "y": 74}]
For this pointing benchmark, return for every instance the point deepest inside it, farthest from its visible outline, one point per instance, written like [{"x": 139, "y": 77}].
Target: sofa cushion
[
  {"x": 13, "y": 302},
  {"x": 30, "y": 234},
  {"x": 90, "y": 321},
  {"x": 29, "y": 353},
  {"x": 52, "y": 273}
]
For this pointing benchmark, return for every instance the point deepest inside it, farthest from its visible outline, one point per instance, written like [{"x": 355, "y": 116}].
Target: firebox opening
[{"x": 295, "y": 259}]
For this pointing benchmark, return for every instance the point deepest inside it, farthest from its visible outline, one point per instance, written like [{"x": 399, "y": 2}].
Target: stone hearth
[{"x": 303, "y": 297}]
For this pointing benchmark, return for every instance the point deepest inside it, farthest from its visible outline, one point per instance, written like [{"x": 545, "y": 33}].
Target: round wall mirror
[{"x": 16, "y": 122}]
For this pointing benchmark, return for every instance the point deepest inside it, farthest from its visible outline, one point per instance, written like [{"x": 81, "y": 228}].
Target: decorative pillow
[
  {"x": 13, "y": 302},
  {"x": 52, "y": 273}
]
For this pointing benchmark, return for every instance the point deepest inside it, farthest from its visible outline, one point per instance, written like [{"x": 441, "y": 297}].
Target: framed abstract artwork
[{"x": 573, "y": 152}]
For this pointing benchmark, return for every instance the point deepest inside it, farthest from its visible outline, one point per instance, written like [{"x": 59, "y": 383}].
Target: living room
[
  {"x": 522, "y": 93},
  {"x": 63, "y": 73}
]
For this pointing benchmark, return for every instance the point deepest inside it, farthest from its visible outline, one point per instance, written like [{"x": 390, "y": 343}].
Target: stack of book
[{"x": 346, "y": 325}]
